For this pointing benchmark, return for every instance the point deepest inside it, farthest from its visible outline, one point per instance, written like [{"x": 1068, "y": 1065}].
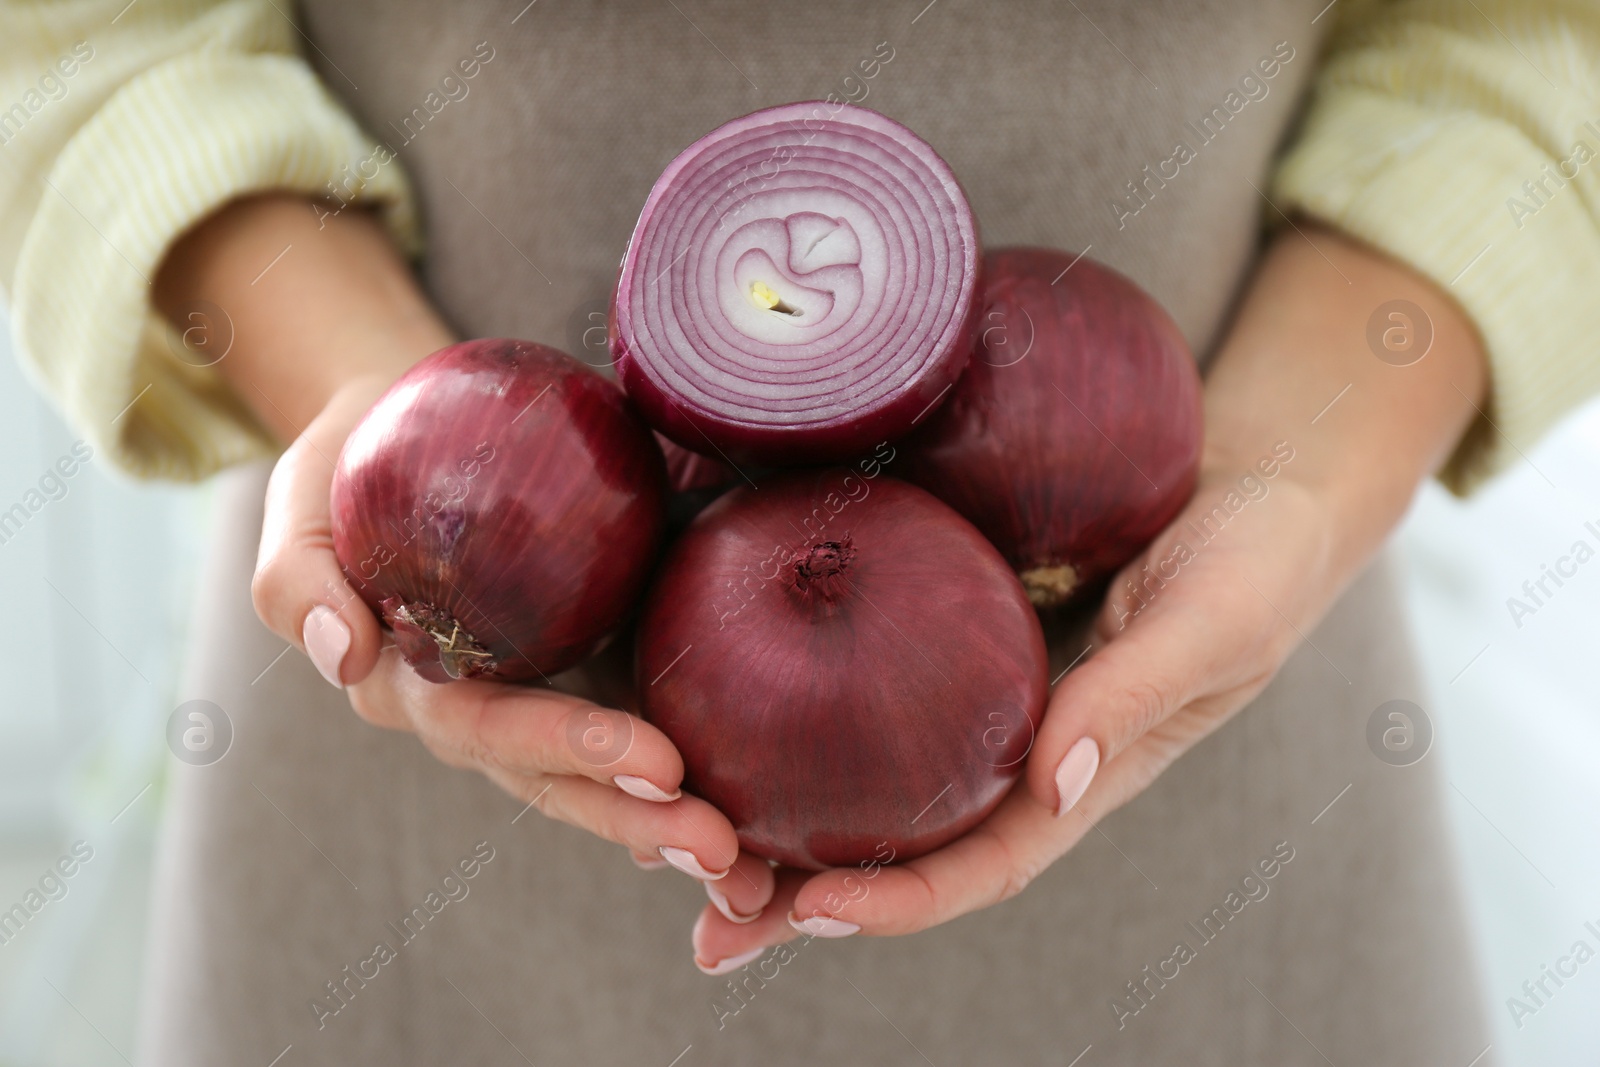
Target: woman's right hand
[
  {"x": 324, "y": 313},
  {"x": 539, "y": 745}
]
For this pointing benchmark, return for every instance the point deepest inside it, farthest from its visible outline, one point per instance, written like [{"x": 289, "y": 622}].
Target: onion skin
[
  {"x": 689, "y": 471},
  {"x": 864, "y": 237},
  {"x": 499, "y": 507},
  {"x": 874, "y": 697},
  {"x": 693, "y": 482},
  {"x": 1074, "y": 438}
]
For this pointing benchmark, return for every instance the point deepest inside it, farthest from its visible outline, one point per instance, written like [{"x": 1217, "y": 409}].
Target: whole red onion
[
  {"x": 500, "y": 507},
  {"x": 845, "y": 664},
  {"x": 800, "y": 286},
  {"x": 1074, "y": 437}
]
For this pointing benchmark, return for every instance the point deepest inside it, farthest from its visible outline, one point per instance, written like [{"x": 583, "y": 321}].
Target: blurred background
[{"x": 98, "y": 585}]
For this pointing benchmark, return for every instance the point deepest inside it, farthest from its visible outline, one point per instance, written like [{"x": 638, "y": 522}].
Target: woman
[{"x": 1278, "y": 896}]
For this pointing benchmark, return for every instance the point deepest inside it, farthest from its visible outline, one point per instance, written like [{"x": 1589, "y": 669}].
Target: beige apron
[{"x": 1063, "y": 121}]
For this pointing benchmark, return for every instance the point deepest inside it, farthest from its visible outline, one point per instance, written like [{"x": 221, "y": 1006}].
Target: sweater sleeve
[
  {"x": 122, "y": 125},
  {"x": 1461, "y": 137}
]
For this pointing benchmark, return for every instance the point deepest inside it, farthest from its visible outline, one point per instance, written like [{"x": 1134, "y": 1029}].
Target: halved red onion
[
  {"x": 799, "y": 287},
  {"x": 1075, "y": 435}
]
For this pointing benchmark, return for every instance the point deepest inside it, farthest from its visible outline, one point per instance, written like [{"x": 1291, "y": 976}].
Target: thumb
[
  {"x": 299, "y": 589},
  {"x": 1135, "y": 680}
]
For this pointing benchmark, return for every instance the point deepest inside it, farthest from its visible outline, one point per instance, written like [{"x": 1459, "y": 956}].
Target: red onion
[
  {"x": 693, "y": 481},
  {"x": 1074, "y": 437},
  {"x": 689, "y": 472},
  {"x": 800, "y": 286},
  {"x": 500, "y": 507},
  {"x": 844, "y": 663}
]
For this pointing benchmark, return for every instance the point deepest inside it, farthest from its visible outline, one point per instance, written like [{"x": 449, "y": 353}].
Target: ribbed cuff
[
  {"x": 169, "y": 148},
  {"x": 1434, "y": 188}
]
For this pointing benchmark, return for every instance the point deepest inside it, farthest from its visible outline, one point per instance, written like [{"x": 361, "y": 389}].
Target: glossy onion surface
[
  {"x": 845, "y": 664},
  {"x": 1075, "y": 435},
  {"x": 500, "y": 507},
  {"x": 800, "y": 286}
]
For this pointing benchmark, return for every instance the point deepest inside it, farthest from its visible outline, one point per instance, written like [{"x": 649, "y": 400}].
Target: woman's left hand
[{"x": 1178, "y": 658}]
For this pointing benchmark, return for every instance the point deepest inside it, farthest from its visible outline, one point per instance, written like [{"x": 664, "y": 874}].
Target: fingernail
[
  {"x": 644, "y": 789},
  {"x": 646, "y": 864},
  {"x": 327, "y": 639},
  {"x": 686, "y": 862},
  {"x": 719, "y": 900},
  {"x": 1075, "y": 773},
  {"x": 823, "y": 926},
  {"x": 732, "y": 963}
]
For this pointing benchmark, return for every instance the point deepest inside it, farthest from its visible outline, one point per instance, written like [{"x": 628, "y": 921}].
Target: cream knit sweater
[{"x": 1459, "y": 136}]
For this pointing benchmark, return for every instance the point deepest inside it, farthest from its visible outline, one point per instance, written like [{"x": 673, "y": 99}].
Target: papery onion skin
[
  {"x": 689, "y": 472},
  {"x": 865, "y": 236},
  {"x": 693, "y": 481},
  {"x": 499, "y": 507},
  {"x": 875, "y": 696},
  {"x": 1074, "y": 438}
]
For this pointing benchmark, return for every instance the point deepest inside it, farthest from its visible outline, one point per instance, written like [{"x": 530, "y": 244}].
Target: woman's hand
[
  {"x": 592, "y": 766},
  {"x": 1294, "y": 499},
  {"x": 316, "y": 339}
]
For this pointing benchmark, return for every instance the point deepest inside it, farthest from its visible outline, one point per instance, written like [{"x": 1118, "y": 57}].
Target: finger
[
  {"x": 523, "y": 729},
  {"x": 298, "y": 588},
  {"x": 994, "y": 862},
  {"x": 688, "y": 833},
  {"x": 647, "y": 861},
  {"x": 1138, "y": 679},
  {"x": 741, "y": 897},
  {"x": 721, "y": 946},
  {"x": 988, "y": 865}
]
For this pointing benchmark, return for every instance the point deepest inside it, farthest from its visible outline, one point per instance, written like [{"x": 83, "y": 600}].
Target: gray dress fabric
[{"x": 329, "y": 893}]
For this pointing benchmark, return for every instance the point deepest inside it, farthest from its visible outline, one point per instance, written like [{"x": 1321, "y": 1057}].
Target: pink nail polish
[
  {"x": 732, "y": 963},
  {"x": 327, "y": 639},
  {"x": 719, "y": 900},
  {"x": 644, "y": 789},
  {"x": 689, "y": 864},
  {"x": 1075, "y": 773},
  {"x": 823, "y": 926}
]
